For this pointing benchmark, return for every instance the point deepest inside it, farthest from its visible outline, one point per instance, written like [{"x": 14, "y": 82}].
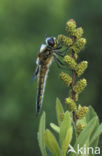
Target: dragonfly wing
[{"x": 35, "y": 73}]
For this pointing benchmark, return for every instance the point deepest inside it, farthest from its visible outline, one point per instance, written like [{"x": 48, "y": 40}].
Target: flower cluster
[
  {"x": 66, "y": 78},
  {"x": 75, "y": 44},
  {"x": 70, "y": 104},
  {"x": 80, "y": 127},
  {"x": 80, "y": 68},
  {"x": 81, "y": 112},
  {"x": 79, "y": 86},
  {"x": 70, "y": 62}
]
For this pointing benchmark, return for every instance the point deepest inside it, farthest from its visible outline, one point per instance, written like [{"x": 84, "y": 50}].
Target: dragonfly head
[{"x": 51, "y": 42}]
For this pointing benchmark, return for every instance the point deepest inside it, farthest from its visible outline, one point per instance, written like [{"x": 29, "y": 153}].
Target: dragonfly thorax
[{"x": 43, "y": 47}]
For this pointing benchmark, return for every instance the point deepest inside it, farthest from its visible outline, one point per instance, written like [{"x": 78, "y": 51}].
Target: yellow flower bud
[
  {"x": 61, "y": 116},
  {"x": 71, "y": 95},
  {"x": 71, "y": 105},
  {"x": 81, "y": 112},
  {"x": 79, "y": 86},
  {"x": 80, "y": 68},
  {"x": 71, "y": 26},
  {"x": 66, "y": 78},
  {"x": 79, "y": 45},
  {"x": 78, "y": 32},
  {"x": 67, "y": 41},
  {"x": 80, "y": 127},
  {"x": 71, "y": 54},
  {"x": 76, "y": 56},
  {"x": 70, "y": 61}
]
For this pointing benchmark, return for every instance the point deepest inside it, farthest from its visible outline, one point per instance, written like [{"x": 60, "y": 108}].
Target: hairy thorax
[{"x": 45, "y": 58}]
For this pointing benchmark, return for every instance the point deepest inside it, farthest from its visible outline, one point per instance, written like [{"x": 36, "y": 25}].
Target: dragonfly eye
[{"x": 50, "y": 42}]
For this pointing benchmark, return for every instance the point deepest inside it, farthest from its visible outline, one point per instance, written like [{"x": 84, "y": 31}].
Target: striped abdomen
[{"x": 43, "y": 71}]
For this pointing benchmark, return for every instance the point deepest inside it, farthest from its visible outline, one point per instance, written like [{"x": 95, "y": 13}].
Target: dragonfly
[{"x": 48, "y": 52}]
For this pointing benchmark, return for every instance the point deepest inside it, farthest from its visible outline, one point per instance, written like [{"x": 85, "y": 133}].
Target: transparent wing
[{"x": 35, "y": 73}]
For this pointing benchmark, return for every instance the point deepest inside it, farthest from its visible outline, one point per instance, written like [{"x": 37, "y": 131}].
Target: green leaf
[
  {"x": 94, "y": 138},
  {"x": 51, "y": 143},
  {"x": 65, "y": 125},
  {"x": 86, "y": 133},
  {"x": 55, "y": 127},
  {"x": 74, "y": 135},
  {"x": 96, "y": 134},
  {"x": 67, "y": 141},
  {"x": 91, "y": 114},
  {"x": 40, "y": 134},
  {"x": 59, "y": 111},
  {"x": 95, "y": 143},
  {"x": 84, "y": 137}
]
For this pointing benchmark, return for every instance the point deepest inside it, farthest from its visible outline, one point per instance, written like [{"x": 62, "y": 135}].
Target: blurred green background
[{"x": 23, "y": 25}]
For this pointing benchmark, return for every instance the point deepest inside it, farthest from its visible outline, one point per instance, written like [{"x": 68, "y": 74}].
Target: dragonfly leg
[
  {"x": 59, "y": 47},
  {"x": 58, "y": 62},
  {"x": 60, "y": 52}
]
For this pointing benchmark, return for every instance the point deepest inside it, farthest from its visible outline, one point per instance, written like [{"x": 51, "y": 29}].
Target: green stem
[{"x": 73, "y": 93}]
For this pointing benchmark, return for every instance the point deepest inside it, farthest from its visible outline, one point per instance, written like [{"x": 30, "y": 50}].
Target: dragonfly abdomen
[{"x": 41, "y": 87}]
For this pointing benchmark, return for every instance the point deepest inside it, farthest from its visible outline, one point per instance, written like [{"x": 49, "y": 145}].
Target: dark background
[{"x": 23, "y": 25}]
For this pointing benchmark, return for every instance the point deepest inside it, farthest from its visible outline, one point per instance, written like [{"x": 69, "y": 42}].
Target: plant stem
[{"x": 73, "y": 93}]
